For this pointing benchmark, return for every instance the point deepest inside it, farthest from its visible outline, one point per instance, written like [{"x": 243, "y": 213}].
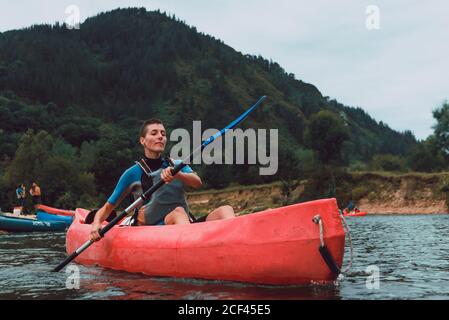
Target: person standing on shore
[
  {"x": 21, "y": 194},
  {"x": 35, "y": 192}
]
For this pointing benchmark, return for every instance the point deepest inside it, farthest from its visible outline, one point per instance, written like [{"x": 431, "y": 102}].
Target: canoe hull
[
  {"x": 12, "y": 224},
  {"x": 277, "y": 247},
  {"x": 44, "y": 216}
]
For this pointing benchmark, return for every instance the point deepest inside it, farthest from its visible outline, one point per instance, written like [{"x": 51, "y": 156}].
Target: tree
[
  {"x": 63, "y": 184},
  {"x": 54, "y": 166},
  {"x": 216, "y": 176},
  {"x": 112, "y": 157},
  {"x": 289, "y": 172},
  {"x": 325, "y": 134},
  {"x": 441, "y": 129},
  {"x": 30, "y": 157},
  {"x": 426, "y": 156}
]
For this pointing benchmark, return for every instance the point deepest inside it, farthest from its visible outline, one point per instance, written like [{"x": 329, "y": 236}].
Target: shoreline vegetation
[{"x": 375, "y": 192}]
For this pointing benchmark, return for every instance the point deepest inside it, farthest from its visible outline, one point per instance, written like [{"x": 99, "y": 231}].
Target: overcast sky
[{"x": 397, "y": 73}]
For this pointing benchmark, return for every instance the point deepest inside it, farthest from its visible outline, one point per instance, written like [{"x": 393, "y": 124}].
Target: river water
[{"x": 410, "y": 254}]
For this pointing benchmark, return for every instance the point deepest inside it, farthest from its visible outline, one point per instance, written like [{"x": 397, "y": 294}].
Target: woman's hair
[{"x": 143, "y": 129}]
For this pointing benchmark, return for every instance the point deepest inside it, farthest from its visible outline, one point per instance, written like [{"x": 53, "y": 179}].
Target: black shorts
[{"x": 193, "y": 219}]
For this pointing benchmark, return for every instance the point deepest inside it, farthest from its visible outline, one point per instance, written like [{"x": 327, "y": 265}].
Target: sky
[{"x": 390, "y": 58}]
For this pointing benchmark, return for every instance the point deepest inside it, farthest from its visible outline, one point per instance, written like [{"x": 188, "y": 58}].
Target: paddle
[{"x": 147, "y": 194}]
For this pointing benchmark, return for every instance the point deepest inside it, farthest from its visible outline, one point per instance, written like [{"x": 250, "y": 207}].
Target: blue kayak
[
  {"x": 15, "y": 224},
  {"x": 44, "y": 216}
]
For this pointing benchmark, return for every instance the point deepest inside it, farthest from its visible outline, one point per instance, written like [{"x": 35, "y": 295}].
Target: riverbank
[
  {"x": 376, "y": 193},
  {"x": 414, "y": 193}
]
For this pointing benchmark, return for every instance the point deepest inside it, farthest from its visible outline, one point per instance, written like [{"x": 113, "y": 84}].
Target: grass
[{"x": 421, "y": 175}]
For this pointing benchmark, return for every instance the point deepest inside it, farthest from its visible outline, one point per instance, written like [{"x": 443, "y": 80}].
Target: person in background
[
  {"x": 21, "y": 194},
  {"x": 35, "y": 192},
  {"x": 350, "y": 206}
]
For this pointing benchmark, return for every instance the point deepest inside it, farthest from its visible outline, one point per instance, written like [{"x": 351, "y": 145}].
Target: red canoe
[
  {"x": 56, "y": 211},
  {"x": 358, "y": 214},
  {"x": 277, "y": 246}
]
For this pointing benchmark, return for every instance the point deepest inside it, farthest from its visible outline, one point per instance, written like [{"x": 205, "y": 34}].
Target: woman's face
[{"x": 155, "y": 138}]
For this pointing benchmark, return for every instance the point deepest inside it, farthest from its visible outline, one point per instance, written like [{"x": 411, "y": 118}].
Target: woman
[{"x": 168, "y": 204}]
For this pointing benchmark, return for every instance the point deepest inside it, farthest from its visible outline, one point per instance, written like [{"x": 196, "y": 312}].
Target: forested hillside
[{"x": 72, "y": 101}]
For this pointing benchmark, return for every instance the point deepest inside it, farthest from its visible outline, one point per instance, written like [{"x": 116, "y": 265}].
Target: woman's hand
[
  {"x": 95, "y": 231},
  {"x": 166, "y": 175}
]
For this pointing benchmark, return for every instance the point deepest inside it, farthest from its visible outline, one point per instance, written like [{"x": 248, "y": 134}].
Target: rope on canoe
[
  {"x": 320, "y": 222},
  {"x": 325, "y": 254}
]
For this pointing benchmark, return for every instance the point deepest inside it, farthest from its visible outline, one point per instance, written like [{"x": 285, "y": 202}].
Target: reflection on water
[
  {"x": 120, "y": 285},
  {"x": 411, "y": 252}
]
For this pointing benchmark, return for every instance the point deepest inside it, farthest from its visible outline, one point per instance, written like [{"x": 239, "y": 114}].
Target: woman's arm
[
  {"x": 189, "y": 179},
  {"x": 100, "y": 216}
]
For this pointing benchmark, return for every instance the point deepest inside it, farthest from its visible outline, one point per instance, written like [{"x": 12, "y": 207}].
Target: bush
[
  {"x": 66, "y": 200},
  {"x": 388, "y": 162},
  {"x": 426, "y": 157},
  {"x": 357, "y": 166},
  {"x": 325, "y": 134},
  {"x": 88, "y": 201}
]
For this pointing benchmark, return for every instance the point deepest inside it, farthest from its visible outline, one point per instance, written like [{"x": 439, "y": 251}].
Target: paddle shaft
[{"x": 146, "y": 195}]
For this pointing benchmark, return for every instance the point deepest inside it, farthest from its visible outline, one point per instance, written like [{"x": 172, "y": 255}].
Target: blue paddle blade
[{"x": 234, "y": 123}]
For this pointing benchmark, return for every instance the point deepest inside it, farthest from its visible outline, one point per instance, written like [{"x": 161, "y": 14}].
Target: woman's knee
[
  {"x": 179, "y": 212},
  {"x": 177, "y": 216},
  {"x": 141, "y": 218},
  {"x": 223, "y": 212},
  {"x": 227, "y": 212}
]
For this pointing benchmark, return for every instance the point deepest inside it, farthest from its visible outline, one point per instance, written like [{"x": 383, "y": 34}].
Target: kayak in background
[
  {"x": 16, "y": 224},
  {"x": 355, "y": 213},
  {"x": 51, "y": 210},
  {"x": 277, "y": 246},
  {"x": 44, "y": 216}
]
